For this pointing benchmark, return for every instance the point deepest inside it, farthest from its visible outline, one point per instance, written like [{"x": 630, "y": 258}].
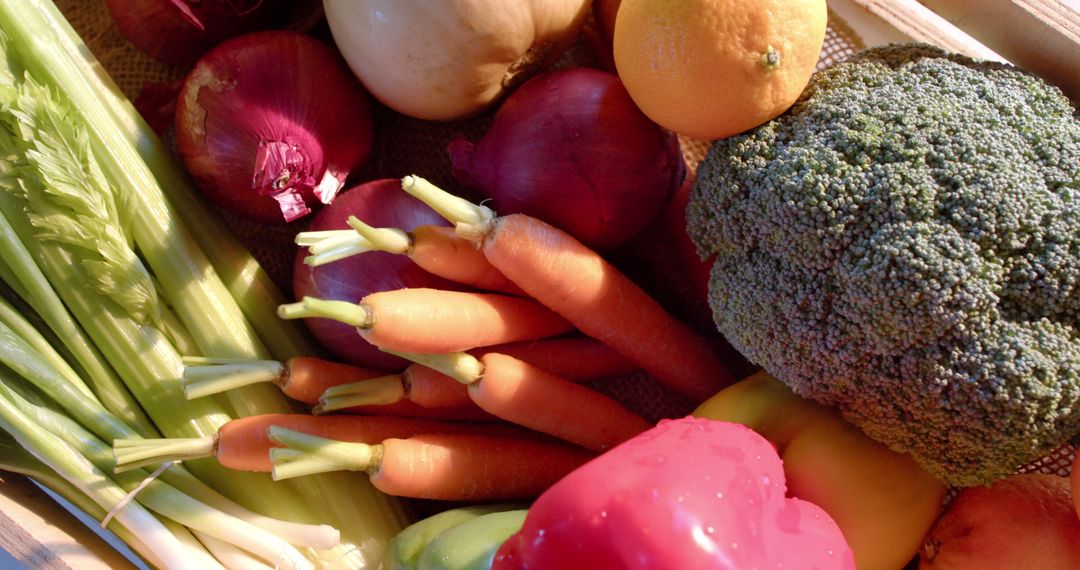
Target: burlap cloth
[{"x": 409, "y": 146}]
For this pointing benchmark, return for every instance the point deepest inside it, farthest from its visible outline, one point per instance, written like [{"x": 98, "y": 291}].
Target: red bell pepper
[{"x": 691, "y": 493}]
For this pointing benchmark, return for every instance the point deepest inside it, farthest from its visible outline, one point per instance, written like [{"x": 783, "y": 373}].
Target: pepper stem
[
  {"x": 383, "y": 390},
  {"x": 306, "y": 454}
]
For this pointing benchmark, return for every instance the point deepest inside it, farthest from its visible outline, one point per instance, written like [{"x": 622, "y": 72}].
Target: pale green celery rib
[
  {"x": 187, "y": 278},
  {"x": 230, "y": 556},
  {"x": 36, "y": 291},
  {"x": 20, "y": 357},
  {"x": 159, "y": 496},
  {"x": 15, "y": 459},
  {"x": 88, "y": 479},
  {"x": 151, "y": 368},
  {"x": 33, "y": 367},
  {"x": 56, "y": 54},
  {"x": 197, "y": 552},
  {"x": 249, "y": 284},
  {"x": 30, "y": 335}
]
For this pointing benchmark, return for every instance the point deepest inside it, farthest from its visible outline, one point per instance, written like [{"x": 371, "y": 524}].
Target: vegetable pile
[{"x": 494, "y": 334}]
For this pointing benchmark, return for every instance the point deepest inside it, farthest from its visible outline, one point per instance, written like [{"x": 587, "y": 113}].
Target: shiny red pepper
[{"x": 691, "y": 493}]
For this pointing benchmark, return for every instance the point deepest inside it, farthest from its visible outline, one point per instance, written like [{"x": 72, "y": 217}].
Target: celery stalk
[
  {"x": 26, "y": 332},
  {"x": 79, "y": 472},
  {"x": 248, "y": 282},
  {"x": 186, "y": 276},
  {"x": 36, "y": 290},
  {"x": 35, "y": 368},
  {"x": 140, "y": 353},
  {"x": 157, "y": 495},
  {"x": 15, "y": 459}
]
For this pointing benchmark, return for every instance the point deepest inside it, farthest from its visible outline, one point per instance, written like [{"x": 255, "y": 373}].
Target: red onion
[
  {"x": 271, "y": 123},
  {"x": 379, "y": 203},
  {"x": 571, "y": 148},
  {"x": 177, "y": 32}
]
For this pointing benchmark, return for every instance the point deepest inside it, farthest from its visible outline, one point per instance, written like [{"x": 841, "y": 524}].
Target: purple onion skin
[
  {"x": 571, "y": 148},
  {"x": 264, "y": 118},
  {"x": 161, "y": 29},
  {"x": 380, "y": 203}
]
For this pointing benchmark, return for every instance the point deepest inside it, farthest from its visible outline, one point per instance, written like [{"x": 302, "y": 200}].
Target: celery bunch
[{"x": 98, "y": 237}]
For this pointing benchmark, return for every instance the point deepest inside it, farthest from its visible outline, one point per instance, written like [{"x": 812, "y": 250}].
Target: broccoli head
[{"x": 904, "y": 245}]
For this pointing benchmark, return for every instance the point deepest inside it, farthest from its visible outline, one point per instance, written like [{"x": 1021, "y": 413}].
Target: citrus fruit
[{"x": 710, "y": 69}]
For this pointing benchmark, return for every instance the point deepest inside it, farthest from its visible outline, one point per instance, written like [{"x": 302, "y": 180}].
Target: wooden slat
[
  {"x": 911, "y": 20},
  {"x": 1042, "y": 36},
  {"x": 39, "y": 533}
]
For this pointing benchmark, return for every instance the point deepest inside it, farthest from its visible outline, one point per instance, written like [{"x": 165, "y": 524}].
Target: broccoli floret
[{"x": 904, "y": 244}]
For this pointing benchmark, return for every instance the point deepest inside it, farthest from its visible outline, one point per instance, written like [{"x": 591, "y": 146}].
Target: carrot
[
  {"x": 440, "y": 251},
  {"x": 436, "y": 249},
  {"x": 443, "y": 466},
  {"x": 578, "y": 283},
  {"x": 433, "y": 320},
  {"x": 520, "y": 393},
  {"x": 243, "y": 444},
  {"x": 418, "y": 385},
  {"x": 302, "y": 378},
  {"x": 306, "y": 378},
  {"x": 576, "y": 359},
  {"x": 468, "y": 412}
]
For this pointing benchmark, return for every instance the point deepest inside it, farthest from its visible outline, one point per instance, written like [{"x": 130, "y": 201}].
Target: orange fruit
[{"x": 710, "y": 69}]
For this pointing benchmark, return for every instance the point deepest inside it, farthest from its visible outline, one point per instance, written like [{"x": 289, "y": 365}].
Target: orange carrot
[
  {"x": 579, "y": 284},
  {"x": 302, "y": 378},
  {"x": 417, "y": 385},
  {"x": 520, "y": 393},
  {"x": 433, "y": 320},
  {"x": 443, "y": 466},
  {"x": 576, "y": 359},
  {"x": 440, "y": 251},
  {"x": 243, "y": 443},
  {"x": 467, "y": 412},
  {"x": 436, "y": 249},
  {"x": 306, "y": 378}
]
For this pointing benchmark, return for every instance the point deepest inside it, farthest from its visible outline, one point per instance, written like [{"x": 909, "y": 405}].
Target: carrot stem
[
  {"x": 384, "y": 390},
  {"x": 460, "y": 366},
  {"x": 308, "y": 239},
  {"x": 332, "y": 247},
  {"x": 205, "y": 380},
  {"x": 135, "y": 453},
  {"x": 342, "y": 311},
  {"x": 306, "y": 454},
  {"x": 469, "y": 219},
  {"x": 390, "y": 240}
]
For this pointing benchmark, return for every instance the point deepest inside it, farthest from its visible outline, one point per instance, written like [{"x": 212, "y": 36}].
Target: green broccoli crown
[{"x": 904, "y": 244}]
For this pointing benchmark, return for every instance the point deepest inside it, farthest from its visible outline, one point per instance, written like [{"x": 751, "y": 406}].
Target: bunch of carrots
[{"x": 494, "y": 405}]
